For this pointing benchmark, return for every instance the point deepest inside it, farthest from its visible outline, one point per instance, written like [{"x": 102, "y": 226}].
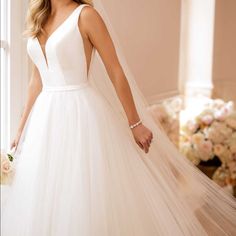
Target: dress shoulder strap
[{"x": 80, "y": 7}]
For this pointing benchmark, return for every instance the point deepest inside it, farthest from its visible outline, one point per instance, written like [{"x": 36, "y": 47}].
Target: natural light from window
[{"x": 4, "y": 75}]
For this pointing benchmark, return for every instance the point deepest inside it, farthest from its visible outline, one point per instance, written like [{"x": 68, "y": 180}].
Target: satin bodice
[{"x": 63, "y": 62}]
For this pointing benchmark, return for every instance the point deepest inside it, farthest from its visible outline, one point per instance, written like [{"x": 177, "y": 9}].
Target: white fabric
[{"x": 80, "y": 172}]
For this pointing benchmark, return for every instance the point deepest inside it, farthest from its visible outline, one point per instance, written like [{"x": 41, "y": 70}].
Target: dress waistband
[{"x": 65, "y": 87}]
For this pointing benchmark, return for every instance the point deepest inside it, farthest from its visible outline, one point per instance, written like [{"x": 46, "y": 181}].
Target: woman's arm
[
  {"x": 34, "y": 88},
  {"x": 94, "y": 30}
]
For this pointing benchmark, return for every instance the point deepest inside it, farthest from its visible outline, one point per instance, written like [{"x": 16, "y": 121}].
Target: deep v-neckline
[{"x": 44, "y": 52}]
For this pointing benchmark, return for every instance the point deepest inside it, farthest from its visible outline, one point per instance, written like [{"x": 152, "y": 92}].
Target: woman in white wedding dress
[{"x": 82, "y": 171}]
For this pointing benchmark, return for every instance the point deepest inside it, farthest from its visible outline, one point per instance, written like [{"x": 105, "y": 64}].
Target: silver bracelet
[{"x": 136, "y": 124}]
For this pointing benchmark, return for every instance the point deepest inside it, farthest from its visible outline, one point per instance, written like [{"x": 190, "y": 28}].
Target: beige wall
[
  {"x": 224, "y": 66},
  {"x": 149, "y": 32}
]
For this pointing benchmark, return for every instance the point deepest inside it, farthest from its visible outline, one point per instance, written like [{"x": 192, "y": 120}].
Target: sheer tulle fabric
[
  {"x": 86, "y": 177},
  {"x": 80, "y": 172}
]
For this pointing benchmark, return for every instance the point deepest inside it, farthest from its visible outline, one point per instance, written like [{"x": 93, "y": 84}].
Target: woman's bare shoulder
[{"x": 90, "y": 16}]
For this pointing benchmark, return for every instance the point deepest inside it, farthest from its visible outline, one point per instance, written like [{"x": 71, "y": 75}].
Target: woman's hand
[
  {"x": 15, "y": 142},
  {"x": 143, "y": 137}
]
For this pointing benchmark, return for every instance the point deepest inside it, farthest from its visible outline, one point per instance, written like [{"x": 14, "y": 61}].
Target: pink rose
[
  {"x": 192, "y": 126},
  {"x": 207, "y": 145},
  {"x": 207, "y": 119},
  {"x": 176, "y": 104},
  {"x": 218, "y": 149},
  {"x": 205, "y": 150},
  {"x": 6, "y": 166},
  {"x": 221, "y": 114},
  {"x": 197, "y": 138}
]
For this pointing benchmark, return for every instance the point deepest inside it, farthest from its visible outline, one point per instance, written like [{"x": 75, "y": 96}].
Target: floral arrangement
[
  {"x": 7, "y": 168},
  {"x": 212, "y": 134},
  {"x": 167, "y": 114}
]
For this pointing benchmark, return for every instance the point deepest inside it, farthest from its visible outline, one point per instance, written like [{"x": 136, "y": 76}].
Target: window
[
  {"x": 14, "y": 67},
  {"x": 5, "y": 80}
]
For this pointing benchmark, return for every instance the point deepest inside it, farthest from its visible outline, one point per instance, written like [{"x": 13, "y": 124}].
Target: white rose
[
  {"x": 231, "y": 122},
  {"x": 6, "y": 166},
  {"x": 218, "y": 103},
  {"x": 197, "y": 138},
  {"x": 176, "y": 104},
  {"x": 218, "y": 149},
  {"x": 232, "y": 166},
  {"x": 232, "y": 147},
  {"x": 205, "y": 150},
  {"x": 192, "y": 126},
  {"x": 187, "y": 150},
  {"x": 226, "y": 156},
  {"x": 159, "y": 113},
  {"x": 230, "y": 106},
  {"x": 221, "y": 114},
  {"x": 214, "y": 135},
  {"x": 227, "y": 132}
]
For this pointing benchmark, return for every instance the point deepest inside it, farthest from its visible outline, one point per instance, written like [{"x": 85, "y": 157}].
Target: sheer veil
[{"x": 196, "y": 200}]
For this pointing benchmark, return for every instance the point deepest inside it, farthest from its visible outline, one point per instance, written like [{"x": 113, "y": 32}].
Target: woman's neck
[{"x": 59, "y": 4}]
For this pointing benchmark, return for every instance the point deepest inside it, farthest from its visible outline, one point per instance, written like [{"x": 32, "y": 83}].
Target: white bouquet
[
  {"x": 210, "y": 134},
  {"x": 7, "y": 168}
]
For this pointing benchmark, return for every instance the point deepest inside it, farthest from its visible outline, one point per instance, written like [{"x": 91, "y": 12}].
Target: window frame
[
  {"x": 5, "y": 97},
  {"x": 14, "y": 85}
]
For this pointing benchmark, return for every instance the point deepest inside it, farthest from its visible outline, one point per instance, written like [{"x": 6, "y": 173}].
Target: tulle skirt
[{"x": 80, "y": 173}]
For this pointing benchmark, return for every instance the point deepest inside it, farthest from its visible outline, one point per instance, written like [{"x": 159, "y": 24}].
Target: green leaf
[{"x": 10, "y": 157}]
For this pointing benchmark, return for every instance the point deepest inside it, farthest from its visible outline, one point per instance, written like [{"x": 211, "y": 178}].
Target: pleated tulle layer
[{"x": 80, "y": 173}]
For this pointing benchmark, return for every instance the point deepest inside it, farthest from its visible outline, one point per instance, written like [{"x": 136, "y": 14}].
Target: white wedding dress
[{"x": 80, "y": 173}]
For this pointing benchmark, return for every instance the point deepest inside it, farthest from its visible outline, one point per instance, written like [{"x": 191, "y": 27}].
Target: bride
[{"x": 84, "y": 168}]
